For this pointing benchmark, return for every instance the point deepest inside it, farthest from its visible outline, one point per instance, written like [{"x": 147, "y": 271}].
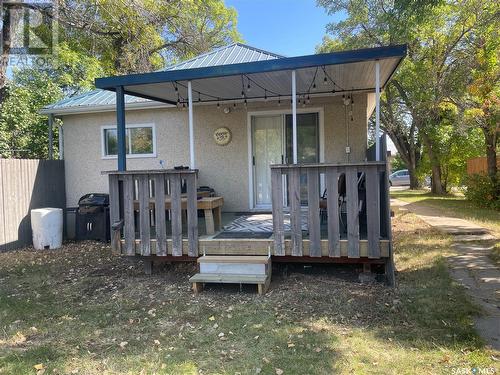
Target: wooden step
[
  {"x": 234, "y": 259},
  {"x": 240, "y": 265},
  {"x": 262, "y": 280}
]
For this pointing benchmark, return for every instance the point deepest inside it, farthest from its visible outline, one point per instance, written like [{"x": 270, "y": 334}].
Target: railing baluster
[
  {"x": 176, "y": 212},
  {"x": 114, "y": 210},
  {"x": 277, "y": 203},
  {"x": 192, "y": 214},
  {"x": 373, "y": 211},
  {"x": 144, "y": 223},
  {"x": 352, "y": 211},
  {"x": 332, "y": 196},
  {"x": 295, "y": 214},
  {"x": 160, "y": 223},
  {"x": 313, "y": 212},
  {"x": 128, "y": 214}
]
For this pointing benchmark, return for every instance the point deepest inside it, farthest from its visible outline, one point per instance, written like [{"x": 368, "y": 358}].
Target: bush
[{"x": 482, "y": 191}]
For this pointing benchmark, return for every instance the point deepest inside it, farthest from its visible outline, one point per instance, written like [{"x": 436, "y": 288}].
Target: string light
[
  {"x": 279, "y": 101},
  {"x": 199, "y": 96},
  {"x": 248, "y": 86},
  {"x": 265, "y": 95}
]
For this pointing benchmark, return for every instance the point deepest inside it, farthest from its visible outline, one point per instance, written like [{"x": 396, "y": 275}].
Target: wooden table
[{"x": 211, "y": 206}]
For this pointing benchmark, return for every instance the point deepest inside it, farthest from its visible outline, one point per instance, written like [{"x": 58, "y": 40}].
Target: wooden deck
[{"x": 135, "y": 195}]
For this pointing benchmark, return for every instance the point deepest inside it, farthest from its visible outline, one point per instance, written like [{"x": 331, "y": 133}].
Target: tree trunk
[
  {"x": 490, "y": 140},
  {"x": 491, "y": 153},
  {"x": 437, "y": 186}
]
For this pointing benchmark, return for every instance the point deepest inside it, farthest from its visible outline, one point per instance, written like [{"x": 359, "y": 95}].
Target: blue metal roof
[{"x": 235, "y": 53}]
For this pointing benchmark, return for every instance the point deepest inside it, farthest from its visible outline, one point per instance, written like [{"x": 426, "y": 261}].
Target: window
[{"x": 139, "y": 141}]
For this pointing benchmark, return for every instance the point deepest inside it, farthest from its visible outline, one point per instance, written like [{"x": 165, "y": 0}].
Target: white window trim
[{"x": 129, "y": 156}]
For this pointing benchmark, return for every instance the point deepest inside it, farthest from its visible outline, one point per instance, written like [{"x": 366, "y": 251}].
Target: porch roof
[{"x": 316, "y": 75}]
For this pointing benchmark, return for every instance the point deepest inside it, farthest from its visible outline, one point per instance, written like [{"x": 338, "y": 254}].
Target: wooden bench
[
  {"x": 211, "y": 206},
  {"x": 233, "y": 270}
]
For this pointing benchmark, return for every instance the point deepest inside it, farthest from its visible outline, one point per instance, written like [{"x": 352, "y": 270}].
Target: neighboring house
[{"x": 242, "y": 122}]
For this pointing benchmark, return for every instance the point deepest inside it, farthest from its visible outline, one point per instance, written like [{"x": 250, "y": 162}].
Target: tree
[
  {"x": 144, "y": 35},
  {"x": 482, "y": 102},
  {"x": 435, "y": 71},
  {"x": 23, "y": 131}
]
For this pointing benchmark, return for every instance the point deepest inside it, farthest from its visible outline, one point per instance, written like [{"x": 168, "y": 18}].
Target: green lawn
[
  {"x": 455, "y": 206},
  {"x": 83, "y": 310}
]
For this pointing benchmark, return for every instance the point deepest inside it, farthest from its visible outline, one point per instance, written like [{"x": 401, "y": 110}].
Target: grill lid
[{"x": 94, "y": 199}]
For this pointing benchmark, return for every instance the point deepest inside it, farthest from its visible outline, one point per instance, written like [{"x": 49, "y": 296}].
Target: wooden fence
[
  {"x": 479, "y": 165},
  {"x": 154, "y": 192},
  {"x": 377, "y": 226},
  {"x": 24, "y": 185}
]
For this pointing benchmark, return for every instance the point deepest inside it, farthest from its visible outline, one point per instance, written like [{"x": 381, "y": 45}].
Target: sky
[{"x": 287, "y": 27}]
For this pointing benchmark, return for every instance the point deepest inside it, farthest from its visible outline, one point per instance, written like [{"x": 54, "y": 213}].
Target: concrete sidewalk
[{"x": 472, "y": 266}]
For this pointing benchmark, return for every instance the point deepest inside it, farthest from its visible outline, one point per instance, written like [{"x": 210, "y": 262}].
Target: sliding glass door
[{"x": 272, "y": 144}]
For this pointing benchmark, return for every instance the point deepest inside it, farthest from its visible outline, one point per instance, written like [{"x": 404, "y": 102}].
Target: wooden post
[
  {"x": 277, "y": 207},
  {"x": 175, "y": 214},
  {"x": 114, "y": 210},
  {"x": 295, "y": 213},
  {"x": 351, "y": 176},
  {"x": 373, "y": 211},
  {"x": 313, "y": 209},
  {"x": 332, "y": 196},
  {"x": 143, "y": 196},
  {"x": 192, "y": 214},
  {"x": 160, "y": 221},
  {"x": 128, "y": 214},
  {"x": 120, "y": 128},
  {"x": 377, "y": 110}
]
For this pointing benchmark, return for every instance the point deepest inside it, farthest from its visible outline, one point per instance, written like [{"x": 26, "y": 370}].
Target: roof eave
[
  {"x": 290, "y": 63},
  {"x": 101, "y": 108}
]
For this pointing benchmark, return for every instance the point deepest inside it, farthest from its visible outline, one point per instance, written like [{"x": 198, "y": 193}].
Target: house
[{"x": 276, "y": 136}]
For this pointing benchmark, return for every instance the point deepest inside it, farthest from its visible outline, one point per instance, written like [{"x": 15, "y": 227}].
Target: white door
[{"x": 267, "y": 134}]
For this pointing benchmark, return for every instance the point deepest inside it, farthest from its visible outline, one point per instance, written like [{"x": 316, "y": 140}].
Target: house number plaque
[{"x": 222, "y": 136}]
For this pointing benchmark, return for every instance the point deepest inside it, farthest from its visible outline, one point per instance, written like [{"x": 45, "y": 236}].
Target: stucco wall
[{"x": 225, "y": 168}]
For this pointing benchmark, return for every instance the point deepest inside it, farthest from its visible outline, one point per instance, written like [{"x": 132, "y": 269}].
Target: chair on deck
[{"x": 342, "y": 202}]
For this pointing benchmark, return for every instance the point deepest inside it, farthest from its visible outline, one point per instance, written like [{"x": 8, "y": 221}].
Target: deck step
[
  {"x": 234, "y": 259},
  {"x": 240, "y": 265},
  {"x": 262, "y": 280}
]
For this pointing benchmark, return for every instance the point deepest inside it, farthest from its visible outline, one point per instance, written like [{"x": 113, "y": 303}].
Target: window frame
[{"x": 129, "y": 155}]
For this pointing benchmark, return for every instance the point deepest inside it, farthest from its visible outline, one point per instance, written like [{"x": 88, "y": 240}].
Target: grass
[
  {"x": 453, "y": 205},
  {"x": 83, "y": 310}
]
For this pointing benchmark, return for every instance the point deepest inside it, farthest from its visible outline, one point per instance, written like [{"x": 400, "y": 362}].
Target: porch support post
[
  {"x": 192, "y": 164},
  {"x": 51, "y": 136},
  {"x": 294, "y": 117},
  {"x": 61, "y": 141},
  {"x": 377, "y": 111},
  {"x": 120, "y": 129}
]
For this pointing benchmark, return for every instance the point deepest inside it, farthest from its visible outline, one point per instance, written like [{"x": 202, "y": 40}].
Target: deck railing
[
  {"x": 374, "y": 198},
  {"x": 152, "y": 193}
]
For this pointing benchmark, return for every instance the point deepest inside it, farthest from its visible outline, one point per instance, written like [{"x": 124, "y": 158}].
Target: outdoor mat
[
  {"x": 259, "y": 223},
  {"x": 245, "y": 235}
]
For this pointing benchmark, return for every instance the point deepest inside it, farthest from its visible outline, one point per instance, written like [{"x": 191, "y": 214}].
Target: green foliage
[
  {"x": 23, "y": 131},
  {"x": 398, "y": 163},
  {"x": 481, "y": 190}
]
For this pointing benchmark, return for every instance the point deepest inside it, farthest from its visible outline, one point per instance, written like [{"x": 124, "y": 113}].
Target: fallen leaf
[
  {"x": 123, "y": 344},
  {"x": 157, "y": 342},
  {"x": 212, "y": 318},
  {"x": 279, "y": 371},
  {"x": 38, "y": 366}
]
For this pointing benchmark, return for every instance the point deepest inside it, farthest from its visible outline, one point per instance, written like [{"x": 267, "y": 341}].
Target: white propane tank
[{"x": 47, "y": 227}]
